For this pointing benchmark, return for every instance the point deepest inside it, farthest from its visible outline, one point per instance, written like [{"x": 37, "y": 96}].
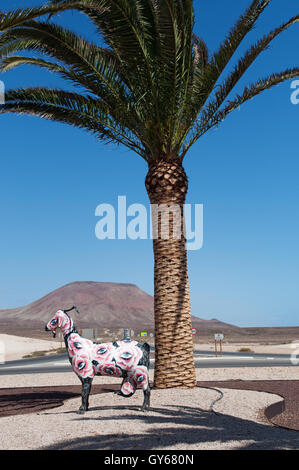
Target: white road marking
[
  {"x": 22, "y": 367},
  {"x": 224, "y": 357},
  {"x": 197, "y": 359},
  {"x": 46, "y": 364}
]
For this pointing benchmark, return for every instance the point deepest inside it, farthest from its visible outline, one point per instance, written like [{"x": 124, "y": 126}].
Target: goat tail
[
  {"x": 146, "y": 354},
  {"x": 146, "y": 347}
]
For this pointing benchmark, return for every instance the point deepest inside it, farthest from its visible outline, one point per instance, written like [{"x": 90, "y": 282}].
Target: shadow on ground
[
  {"x": 183, "y": 427},
  {"x": 16, "y": 403}
]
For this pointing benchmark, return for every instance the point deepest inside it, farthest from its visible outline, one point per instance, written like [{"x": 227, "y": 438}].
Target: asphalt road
[{"x": 203, "y": 359}]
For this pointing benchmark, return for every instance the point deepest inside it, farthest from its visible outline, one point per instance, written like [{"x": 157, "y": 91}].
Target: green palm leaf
[
  {"x": 211, "y": 117},
  {"x": 155, "y": 79},
  {"x": 17, "y": 17},
  {"x": 71, "y": 108},
  {"x": 86, "y": 64},
  {"x": 205, "y": 83},
  {"x": 244, "y": 63},
  {"x": 86, "y": 58}
]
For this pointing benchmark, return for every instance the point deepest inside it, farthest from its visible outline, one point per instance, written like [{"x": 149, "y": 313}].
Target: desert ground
[
  {"x": 15, "y": 347},
  {"x": 258, "y": 348},
  {"x": 178, "y": 419}
]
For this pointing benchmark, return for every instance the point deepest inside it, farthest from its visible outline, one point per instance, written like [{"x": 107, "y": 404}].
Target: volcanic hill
[{"x": 101, "y": 304}]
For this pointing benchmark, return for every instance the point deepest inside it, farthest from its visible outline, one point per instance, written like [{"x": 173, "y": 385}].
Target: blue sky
[{"x": 245, "y": 174}]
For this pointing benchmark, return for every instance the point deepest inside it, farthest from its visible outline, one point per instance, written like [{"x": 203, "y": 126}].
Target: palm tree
[{"x": 154, "y": 88}]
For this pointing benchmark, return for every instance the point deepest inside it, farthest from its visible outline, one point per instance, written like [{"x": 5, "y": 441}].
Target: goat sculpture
[{"x": 125, "y": 358}]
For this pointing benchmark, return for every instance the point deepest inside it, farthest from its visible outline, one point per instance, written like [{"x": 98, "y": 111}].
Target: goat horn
[{"x": 73, "y": 308}]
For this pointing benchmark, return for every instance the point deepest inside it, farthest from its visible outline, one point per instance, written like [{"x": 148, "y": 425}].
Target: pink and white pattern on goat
[{"x": 118, "y": 359}]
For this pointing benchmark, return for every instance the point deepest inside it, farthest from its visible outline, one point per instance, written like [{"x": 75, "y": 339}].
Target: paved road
[{"x": 203, "y": 359}]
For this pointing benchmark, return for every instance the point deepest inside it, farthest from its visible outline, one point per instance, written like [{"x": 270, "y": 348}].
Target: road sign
[
  {"x": 194, "y": 331},
  {"x": 219, "y": 337}
]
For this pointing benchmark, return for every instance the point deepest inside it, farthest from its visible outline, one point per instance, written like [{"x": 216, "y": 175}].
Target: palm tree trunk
[{"x": 167, "y": 184}]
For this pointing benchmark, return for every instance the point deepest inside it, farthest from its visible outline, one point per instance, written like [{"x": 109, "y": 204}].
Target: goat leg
[
  {"x": 146, "y": 402},
  {"x": 86, "y": 386}
]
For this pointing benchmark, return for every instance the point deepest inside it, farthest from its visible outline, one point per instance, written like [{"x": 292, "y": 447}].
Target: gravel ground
[
  {"x": 178, "y": 419},
  {"x": 230, "y": 373}
]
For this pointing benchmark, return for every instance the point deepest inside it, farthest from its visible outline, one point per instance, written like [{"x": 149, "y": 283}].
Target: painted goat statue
[{"x": 125, "y": 358}]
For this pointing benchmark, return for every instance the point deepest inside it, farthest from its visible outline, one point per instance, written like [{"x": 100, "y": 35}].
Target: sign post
[{"x": 218, "y": 337}]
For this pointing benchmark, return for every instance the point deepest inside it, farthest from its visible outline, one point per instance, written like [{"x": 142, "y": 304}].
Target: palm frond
[
  {"x": 174, "y": 23},
  {"x": 201, "y": 52},
  {"x": 224, "y": 89},
  {"x": 83, "y": 56},
  {"x": 212, "y": 117},
  {"x": 19, "y": 16},
  {"x": 198, "y": 62},
  {"x": 154, "y": 86},
  {"x": 153, "y": 36},
  {"x": 72, "y": 108},
  {"x": 127, "y": 32},
  {"x": 86, "y": 64},
  {"x": 10, "y": 63},
  {"x": 220, "y": 59}
]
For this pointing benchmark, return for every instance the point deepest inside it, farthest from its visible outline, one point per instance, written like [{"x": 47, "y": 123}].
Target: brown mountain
[{"x": 101, "y": 304}]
